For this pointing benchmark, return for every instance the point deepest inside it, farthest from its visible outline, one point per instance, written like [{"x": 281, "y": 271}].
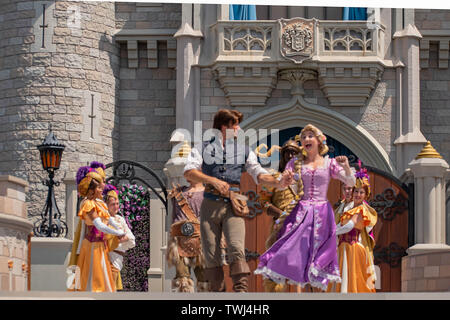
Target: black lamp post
[{"x": 50, "y": 224}]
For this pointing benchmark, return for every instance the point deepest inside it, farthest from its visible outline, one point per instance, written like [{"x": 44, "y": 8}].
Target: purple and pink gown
[{"x": 306, "y": 250}]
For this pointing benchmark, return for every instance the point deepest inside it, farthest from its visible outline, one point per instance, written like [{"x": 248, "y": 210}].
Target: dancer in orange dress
[
  {"x": 94, "y": 269},
  {"x": 356, "y": 241}
]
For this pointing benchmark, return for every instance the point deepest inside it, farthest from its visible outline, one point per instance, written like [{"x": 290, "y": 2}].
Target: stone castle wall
[
  {"x": 427, "y": 272},
  {"x": 147, "y": 93},
  {"x": 435, "y": 82},
  {"x": 147, "y": 109},
  {"x": 147, "y": 15},
  {"x": 14, "y": 231},
  {"x": 432, "y": 19},
  {"x": 56, "y": 78}
]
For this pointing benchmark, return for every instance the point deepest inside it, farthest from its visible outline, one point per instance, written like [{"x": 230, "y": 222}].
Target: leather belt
[{"x": 210, "y": 189}]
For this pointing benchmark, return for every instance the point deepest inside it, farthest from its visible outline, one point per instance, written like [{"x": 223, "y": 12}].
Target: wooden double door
[{"x": 389, "y": 197}]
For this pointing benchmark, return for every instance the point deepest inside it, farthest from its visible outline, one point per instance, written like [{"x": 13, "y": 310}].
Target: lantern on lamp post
[{"x": 50, "y": 224}]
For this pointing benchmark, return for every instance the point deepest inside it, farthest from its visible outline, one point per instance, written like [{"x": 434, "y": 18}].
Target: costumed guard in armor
[
  {"x": 356, "y": 241},
  {"x": 117, "y": 247},
  {"x": 278, "y": 203},
  {"x": 184, "y": 248},
  {"x": 93, "y": 270},
  {"x": 216, "y": 165}
]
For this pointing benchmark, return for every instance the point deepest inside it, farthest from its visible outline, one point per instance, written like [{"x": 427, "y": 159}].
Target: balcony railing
[
  {"x": 248, "y": 38},
  {"x": 351, "y": 38},
  {"x": 261, "y": 39}
]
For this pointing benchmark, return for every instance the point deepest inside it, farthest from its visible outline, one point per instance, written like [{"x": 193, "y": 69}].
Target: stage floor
[{"x": 56, "y": 295}]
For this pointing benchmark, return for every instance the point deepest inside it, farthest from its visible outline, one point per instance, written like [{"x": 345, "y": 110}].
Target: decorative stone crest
[{"x": 297, "y": 38}]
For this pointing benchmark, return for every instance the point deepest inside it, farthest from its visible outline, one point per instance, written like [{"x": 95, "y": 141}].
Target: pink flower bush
[{"x": 134, "y": 203}]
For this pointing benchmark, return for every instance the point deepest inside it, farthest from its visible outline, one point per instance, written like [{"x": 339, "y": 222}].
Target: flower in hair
[{"x": 362, "y": 172}]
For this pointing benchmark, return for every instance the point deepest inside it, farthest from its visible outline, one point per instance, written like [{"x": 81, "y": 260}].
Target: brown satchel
[{"x": 239, "y": 204}]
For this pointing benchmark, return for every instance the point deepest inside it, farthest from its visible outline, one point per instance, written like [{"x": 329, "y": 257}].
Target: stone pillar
[
  {"x": 49, "y": 258},
  {"x": 158, "y": 244},
  {"x": 427, "y": 265},
  {"x": 188, "y": 80},
  {"x": 409, "y": 139},
  {"x": 14, "y": 231},
  {"x": 429, "y": 170},
  {"x": 71, "y": 206}
]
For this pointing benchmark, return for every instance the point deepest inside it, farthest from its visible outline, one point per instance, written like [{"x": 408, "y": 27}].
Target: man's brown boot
[
  {"x": 240, "y": 282},
  {"x": 215, "y": 278},
  {"x": 239, "y": 272}
]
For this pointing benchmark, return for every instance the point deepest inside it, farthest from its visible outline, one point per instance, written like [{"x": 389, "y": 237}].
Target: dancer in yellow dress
[
  {"x": 94, "y": 269},
  {"x": 356, "y": 241}
]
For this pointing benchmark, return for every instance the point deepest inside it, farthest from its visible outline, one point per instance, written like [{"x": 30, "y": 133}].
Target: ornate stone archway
[{"x": 298, "y": 113}]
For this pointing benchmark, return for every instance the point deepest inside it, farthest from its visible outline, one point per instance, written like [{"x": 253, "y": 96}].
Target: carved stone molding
[
  {"x": 424, "y": 53},
  {"x": 150, "y": 37},
  {"x": 152, "y": 53},
  {"x": 297, "y": 78},
  {"x": 172, "y": 53},
  {"x": 247, "y": 85},
  {"x": 442, "y": 38},
  {"x": 336, "y": 79},
  {"x": 133, "y": 57}
]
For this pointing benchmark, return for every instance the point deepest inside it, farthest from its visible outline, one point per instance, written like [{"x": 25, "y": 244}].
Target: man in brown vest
[{"x": 220, "y": 170}]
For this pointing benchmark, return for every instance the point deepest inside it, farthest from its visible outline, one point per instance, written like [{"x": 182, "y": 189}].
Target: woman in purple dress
[{"x": 306, "y": 251}]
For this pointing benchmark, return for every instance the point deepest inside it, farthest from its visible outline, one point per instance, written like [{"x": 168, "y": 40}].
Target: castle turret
[{"x": 59, "y": 68}]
